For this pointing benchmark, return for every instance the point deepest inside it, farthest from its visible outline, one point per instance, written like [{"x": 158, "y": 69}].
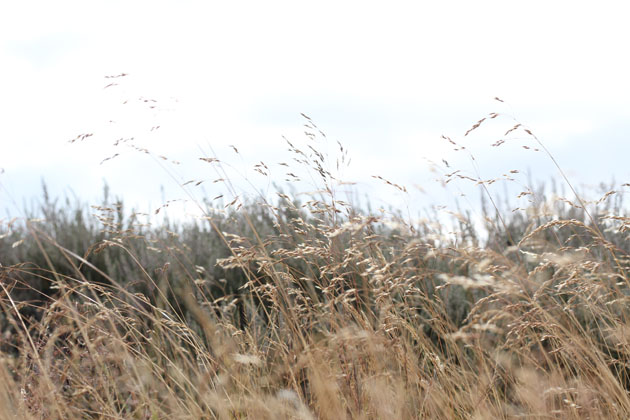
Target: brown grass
[{"x": 345, "y": 319}]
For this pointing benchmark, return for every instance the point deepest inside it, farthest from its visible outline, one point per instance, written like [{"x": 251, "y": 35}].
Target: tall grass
[{"x": 316, "y": 308}]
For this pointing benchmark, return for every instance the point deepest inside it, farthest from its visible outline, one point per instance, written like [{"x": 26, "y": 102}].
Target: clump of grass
[{"x": 310, "y": 307}]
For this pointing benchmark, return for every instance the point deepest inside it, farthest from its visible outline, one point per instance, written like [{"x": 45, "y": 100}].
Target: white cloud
[{"x": 382, "y": 78}]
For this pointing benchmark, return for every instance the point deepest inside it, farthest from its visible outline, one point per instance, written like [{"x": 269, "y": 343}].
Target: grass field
[{"x": 304, "y": 306}]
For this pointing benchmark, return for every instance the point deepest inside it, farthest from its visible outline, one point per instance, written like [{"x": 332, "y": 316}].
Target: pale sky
[{"x": 386, "y": 79}]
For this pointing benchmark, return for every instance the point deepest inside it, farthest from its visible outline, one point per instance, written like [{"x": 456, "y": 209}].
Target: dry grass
[{"x": 341, "y": 315}]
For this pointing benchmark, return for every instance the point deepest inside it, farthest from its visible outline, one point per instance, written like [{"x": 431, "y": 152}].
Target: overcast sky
[{"x": 386, "y": 79}]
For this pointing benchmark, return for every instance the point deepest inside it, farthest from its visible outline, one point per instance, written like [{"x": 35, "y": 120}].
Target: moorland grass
[{"x": 315, "y": 308}]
